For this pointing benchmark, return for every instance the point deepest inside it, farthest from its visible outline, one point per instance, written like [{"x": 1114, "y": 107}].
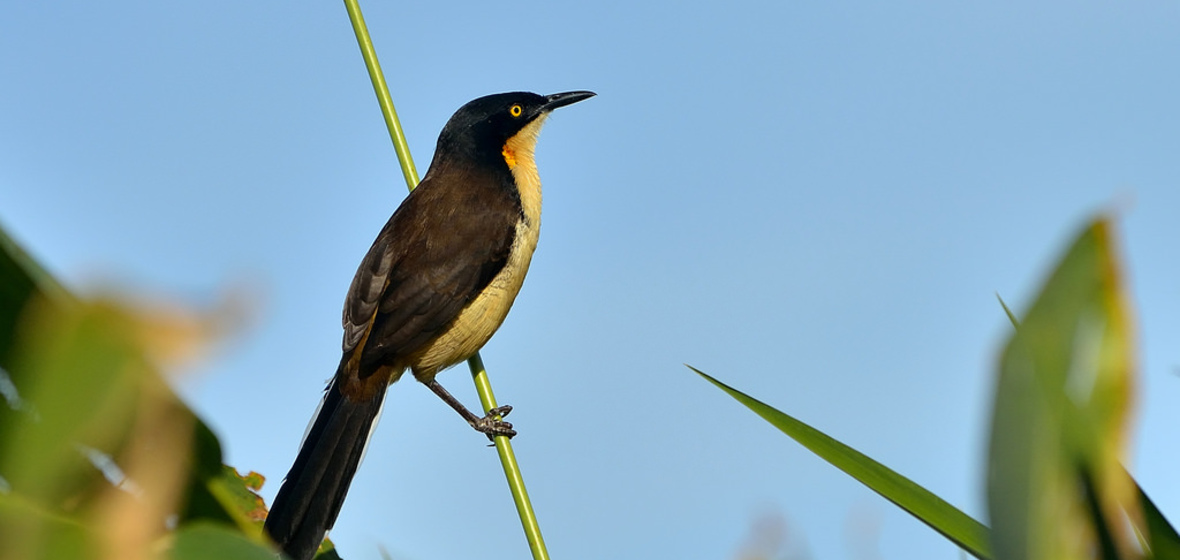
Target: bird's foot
[{"x": 492, "y": 426}]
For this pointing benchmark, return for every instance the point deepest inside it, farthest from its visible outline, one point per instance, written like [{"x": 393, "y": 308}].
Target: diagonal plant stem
[
  {"x": 520, "y": 496},
  {"x": 396, "y": 134}
]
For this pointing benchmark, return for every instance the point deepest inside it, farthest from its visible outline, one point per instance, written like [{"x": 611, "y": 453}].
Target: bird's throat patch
[{"x": 518, "y": 150}]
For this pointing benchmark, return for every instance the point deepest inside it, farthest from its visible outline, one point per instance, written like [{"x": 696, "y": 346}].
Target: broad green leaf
[
  {"x": 82, "y": 375},
  {"x": 955, "y": 525},
  {"x": 92, "y": 395},
  {"x": 218, "y": 493},
  {"x": 85, "y": 410},
  {"x": 1155, "y": 530},
  {"x": 92, "y": 440},
  {"x": 29, "y": 531},
  {"x": 210, "y": 541},
  {"x": 1161, "y": 535},
  {"x": 21, "y": 278},
  {"x": 1056, "y": 486}
]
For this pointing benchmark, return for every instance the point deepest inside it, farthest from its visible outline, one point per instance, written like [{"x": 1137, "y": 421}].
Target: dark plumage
[{"x": 436, "y": 284}]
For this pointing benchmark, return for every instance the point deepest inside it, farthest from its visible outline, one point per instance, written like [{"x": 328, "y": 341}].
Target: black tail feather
[{"x": 310, "y": 498}]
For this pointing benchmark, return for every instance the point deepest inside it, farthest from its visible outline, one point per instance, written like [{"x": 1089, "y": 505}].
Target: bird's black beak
[{"x": 568, "y": 98}]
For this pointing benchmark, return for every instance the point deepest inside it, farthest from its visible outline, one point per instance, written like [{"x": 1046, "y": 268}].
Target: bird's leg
[{"x": 490, "y": 425}]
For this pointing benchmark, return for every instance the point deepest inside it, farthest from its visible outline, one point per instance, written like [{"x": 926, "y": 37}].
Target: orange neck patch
[{"x": 509, "y": 156}]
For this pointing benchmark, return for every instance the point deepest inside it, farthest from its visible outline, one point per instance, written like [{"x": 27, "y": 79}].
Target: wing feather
[{"x": 427, "y": 265}]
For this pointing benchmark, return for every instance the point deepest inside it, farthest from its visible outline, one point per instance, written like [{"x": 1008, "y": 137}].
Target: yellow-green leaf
[{"x": 1056, "y": 486}]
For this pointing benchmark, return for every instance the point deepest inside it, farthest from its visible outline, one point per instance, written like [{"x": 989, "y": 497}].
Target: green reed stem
[{"x": 483, "y": 386}]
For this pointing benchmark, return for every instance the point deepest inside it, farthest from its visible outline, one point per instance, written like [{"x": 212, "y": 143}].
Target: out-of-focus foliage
[
  {"x": 98, "y": 457},
  {"x": 20, "y": 279},
  {"x": 1056, "y": 485},
  {"x": 203, "y": 540}
]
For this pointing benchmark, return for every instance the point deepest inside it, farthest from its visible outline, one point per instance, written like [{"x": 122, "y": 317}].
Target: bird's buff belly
[{"x": 478, "y": 321}]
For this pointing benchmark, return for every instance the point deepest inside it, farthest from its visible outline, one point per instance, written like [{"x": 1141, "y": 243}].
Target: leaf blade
[
  {"x": 1056, "y": 486},
  {"x": 960, "y": 528}
]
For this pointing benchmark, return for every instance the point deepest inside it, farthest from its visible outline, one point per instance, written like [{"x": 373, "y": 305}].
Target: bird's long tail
[{"x": 310, "y": 498}]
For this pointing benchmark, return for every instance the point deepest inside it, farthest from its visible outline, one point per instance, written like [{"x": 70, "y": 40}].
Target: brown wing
[{"x": 438, "y": 251}]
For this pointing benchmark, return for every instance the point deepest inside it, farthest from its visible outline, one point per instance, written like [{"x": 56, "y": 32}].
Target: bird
[{"x": 433, "y": 288}]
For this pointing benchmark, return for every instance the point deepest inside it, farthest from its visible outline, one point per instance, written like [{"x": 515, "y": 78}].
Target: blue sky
[{"x": 816, "y": 203}]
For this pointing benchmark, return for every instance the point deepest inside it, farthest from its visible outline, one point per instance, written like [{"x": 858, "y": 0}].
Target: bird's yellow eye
[{"x": 515, "y": 110}]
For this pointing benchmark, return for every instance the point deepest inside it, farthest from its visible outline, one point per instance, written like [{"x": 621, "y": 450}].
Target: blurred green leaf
[
  {"x": 1161, "y": 535},
  {"x": 21, "y": 278},
  {"x": 1156, "y": 531},
  {"x": 955, "y": 525},
  {"x": 82, "y": 374},
  {"x": 1056, "y": 487},
  {"x": 94, "y": 446},
  {"x": 200, "y": 502},
  {"x": 210, "y": 541},
  {"x": 29, "y": 531}
]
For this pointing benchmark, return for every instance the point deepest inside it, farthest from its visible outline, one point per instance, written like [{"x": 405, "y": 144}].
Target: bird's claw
[{"x": 492, "y": 426}]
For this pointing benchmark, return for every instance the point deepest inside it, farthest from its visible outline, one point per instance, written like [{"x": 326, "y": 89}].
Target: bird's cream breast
[{"x": 477, "y": 322}]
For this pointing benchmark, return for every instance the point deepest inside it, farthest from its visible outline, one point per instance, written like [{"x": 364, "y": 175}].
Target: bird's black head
[{"x": 481, "y": 128}]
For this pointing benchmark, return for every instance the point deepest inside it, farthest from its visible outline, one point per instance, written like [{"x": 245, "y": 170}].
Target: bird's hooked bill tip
[{"x": 567, "y": 98}]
